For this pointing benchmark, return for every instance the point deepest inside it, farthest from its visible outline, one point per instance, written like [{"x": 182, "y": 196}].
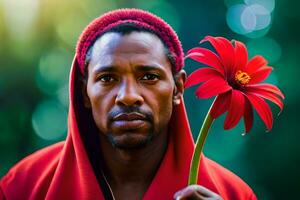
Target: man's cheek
[
  {"x": 165, "y": 109},
  {"x": 99, "y": 116}
]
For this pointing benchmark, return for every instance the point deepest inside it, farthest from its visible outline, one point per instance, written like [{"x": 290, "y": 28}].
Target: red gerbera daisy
[{"x": 236, "y": 81}]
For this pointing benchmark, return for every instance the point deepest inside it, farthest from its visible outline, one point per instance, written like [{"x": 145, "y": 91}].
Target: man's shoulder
[
  {"x": 228, "y": 182},
  {"x": 29, "y": 168}
]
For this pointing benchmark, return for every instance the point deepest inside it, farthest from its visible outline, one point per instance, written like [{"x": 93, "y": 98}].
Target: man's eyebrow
[
  {"x": 149, "y": 67},
  {"x": 112, "y": 68},
  {"x": 106, "y": 68}
]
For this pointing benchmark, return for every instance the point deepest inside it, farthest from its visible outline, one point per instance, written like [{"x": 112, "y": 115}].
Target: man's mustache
[{"x": 117, "y": 111}]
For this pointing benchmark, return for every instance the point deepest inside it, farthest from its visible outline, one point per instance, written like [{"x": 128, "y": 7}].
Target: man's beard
[
  {"x": 130, "y": 139},
  {"x": 129, "y": 143}
]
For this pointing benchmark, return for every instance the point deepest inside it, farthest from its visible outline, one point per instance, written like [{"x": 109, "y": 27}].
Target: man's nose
[{"x": 129, "y": 94}]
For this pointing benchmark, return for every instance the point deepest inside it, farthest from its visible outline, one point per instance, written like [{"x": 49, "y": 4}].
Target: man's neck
[{"x": 131, "y": 171}]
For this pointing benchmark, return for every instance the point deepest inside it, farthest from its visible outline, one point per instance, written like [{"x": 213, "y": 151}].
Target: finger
[
  {"x": 187, "y": 191},
  {"x": 190, "y": 189},
  {"x": 205, "y": 192},
  {"x": 196, "y": 191},
  {"x": 193, "y": 196}
]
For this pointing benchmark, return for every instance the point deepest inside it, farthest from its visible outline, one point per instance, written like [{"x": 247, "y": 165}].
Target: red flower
[{"x": 235, "y": 80}]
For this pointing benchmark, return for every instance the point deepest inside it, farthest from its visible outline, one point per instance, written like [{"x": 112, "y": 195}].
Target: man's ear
[
  {"x": 85, "y": 98},
  {"x": 179, "y": 78}
]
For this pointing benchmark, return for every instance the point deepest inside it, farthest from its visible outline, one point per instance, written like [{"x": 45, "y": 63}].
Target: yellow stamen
[{"x": 242, "y": 77}]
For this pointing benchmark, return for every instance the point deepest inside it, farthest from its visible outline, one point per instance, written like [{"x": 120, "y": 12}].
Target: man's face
[{"x": 130, "y": 88}]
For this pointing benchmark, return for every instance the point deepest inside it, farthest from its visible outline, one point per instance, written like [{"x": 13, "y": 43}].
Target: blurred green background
[{"x": 37, "y": 43}]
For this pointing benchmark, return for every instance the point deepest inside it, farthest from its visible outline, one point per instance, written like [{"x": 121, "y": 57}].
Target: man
[{"x": 128, "y": 136}]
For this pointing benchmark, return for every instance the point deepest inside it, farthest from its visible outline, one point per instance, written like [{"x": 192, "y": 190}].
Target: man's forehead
[
  {"x": 112, "y": 42},
  {"x": 136, "y": 44}
]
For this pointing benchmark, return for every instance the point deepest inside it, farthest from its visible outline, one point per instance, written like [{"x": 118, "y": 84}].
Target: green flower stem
[{"x": 193, "y": 177}]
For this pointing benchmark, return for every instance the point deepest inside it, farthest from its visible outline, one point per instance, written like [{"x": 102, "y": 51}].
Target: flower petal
[
  {"x": 221, "y": 104},
  {"x": 201, "y": 75},
  {"x": 263, "y": 109},
  {"x": 255, "y": 63},
  {"x": 241, "y": 56},
  {"x": 270, "y": 96},
  {"x": 248, "y": 116},
  {"x": 224, "y": 48},
  {"x": 206, "y": 57},
  {"x": 212, "y": 87},
  {"x": 260, "y": 75},
  {"x": 266, "y": 87},
  {"x": 236, "y": 109}
]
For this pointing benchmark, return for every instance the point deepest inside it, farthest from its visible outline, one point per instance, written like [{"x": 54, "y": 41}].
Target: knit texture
[{"x": 138, "y": 17}]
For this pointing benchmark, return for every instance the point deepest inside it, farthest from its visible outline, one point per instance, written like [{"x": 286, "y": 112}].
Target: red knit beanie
[{"x": 138, "y": 17}]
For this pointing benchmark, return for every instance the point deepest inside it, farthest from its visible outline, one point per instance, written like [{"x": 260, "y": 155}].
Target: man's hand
[{"x": 196, "y": 192}]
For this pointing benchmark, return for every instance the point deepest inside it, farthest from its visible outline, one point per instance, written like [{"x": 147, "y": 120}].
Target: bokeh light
[
  {"x": 20, "y": 16},
  {"x": 49, "y": 120},
  {"x": 62, "y": 95},
  {"x": 53, "y": 70},
  {"x": 265, "y": 46},
  {"x": 69, "y": 28},
  {"x": 252, "y": 19},
  {"x": 248, "y": 19},
  {"x": 258, "y": 33},
  {"x": 269, "y": 5},
  {"x": 262, "y": 16},
  {"x": 234, "y": 22}
]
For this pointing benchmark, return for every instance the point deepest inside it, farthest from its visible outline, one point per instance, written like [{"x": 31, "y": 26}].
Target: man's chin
[{"x": 130, "y": 141}]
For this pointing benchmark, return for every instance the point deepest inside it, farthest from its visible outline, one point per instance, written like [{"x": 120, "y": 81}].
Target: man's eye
[
  {"x": 106, "y": 78},
  {"x": 150, "y": 77}
]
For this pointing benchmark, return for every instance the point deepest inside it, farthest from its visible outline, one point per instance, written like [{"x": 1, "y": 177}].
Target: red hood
[{"x": 175, "y": 163}]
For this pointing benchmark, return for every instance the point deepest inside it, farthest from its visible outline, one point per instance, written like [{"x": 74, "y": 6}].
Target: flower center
[{"x": 242, "y": 77}]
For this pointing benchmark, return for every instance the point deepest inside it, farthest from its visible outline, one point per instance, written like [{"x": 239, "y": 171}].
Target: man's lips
[
  {"x": 128, "y": 121},
  {"x": 129, "y": 117}
]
